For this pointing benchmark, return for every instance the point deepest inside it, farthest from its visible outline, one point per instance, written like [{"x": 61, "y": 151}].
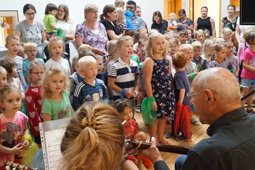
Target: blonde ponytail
[{"x": 94, "y": 139}]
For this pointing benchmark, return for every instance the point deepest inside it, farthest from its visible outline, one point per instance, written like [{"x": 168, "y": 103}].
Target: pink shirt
[
  {"x": 11, "y": 132},
  {"x": 249, "y": 56},
  {"x": 136, "y": 49},
  {"x": 16, "y": 82},
  {"x": 240, "y": 52}
]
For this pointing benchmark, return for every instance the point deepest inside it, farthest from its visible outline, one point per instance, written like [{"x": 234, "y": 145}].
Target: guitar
[
  {"x": 161, "y": 147},
  {"x": 15, "y": 166}
]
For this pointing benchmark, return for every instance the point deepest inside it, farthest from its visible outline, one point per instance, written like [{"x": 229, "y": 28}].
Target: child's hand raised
[
  {"x": 129, "y": 94},
  {"x": 17, "y": 149},
  {"x": 26, "y": 144}
]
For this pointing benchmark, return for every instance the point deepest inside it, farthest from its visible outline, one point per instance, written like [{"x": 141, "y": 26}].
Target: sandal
[
  {"x": 193, "y": 121},
  {"x": 250, "y": 111}
]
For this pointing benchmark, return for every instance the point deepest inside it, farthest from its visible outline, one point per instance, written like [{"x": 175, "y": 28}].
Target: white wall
[
  {"x": 185, "y": 5},
  {"x": 214, "y": 12},
  {"x": 76, "y": 8},
  {"x": 224, "y": 5}
]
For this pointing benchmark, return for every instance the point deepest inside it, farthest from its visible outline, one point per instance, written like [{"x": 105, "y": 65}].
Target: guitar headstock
[
  {"x": 128, "y": 145},
  {"x": 15, "y": 166}
]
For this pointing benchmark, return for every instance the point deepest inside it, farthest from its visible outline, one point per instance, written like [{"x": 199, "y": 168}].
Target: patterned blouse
[
  {"x": 230, "y": 24},
  {"x": 94, "y": 40}
]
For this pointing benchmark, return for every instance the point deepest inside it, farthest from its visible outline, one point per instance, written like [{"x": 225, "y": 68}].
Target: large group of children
[{"x": 156, "y": 67}]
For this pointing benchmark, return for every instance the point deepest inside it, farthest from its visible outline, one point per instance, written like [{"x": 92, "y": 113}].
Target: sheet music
[
  {"x": 51, "y": 137},
  {"x": 53, "y": 140}
]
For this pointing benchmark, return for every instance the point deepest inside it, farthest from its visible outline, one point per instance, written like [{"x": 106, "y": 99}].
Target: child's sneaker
[
  {"x": 138, "y": 109},
  {"x": 193, "y": 121},
  {"x": 182, "y": 138},
  {"x": 170, "y": 135}
]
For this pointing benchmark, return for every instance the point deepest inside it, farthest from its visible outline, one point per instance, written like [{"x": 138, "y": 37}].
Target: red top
[
  {"x": 34, "y": 103},
  {"x": 140, "y": 57},
  {"x": 130, "y": 130}
]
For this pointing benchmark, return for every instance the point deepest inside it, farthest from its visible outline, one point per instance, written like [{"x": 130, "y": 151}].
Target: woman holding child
[
  {"x": 91, "y": 32},
  {"x": 108, "y": 17},
  {"x": 31, "y": 30}
]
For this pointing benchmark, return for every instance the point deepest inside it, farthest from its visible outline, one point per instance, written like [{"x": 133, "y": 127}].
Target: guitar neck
[{"x": 162, "y": 147}]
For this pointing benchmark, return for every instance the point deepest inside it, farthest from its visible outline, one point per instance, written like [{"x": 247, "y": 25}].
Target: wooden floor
[{"x": 198, "y": 133}]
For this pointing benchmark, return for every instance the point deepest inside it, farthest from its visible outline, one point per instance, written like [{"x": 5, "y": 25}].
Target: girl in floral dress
[{"x": 158, "y": 83}]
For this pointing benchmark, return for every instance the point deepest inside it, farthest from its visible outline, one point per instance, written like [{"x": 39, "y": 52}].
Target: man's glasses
[{"x": 192, "y": 95}]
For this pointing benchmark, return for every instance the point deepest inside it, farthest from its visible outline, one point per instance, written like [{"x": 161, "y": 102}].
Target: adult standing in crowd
[
  {"x": 231, "y": 144},
  {"x": 91, "y": 32},
  {"x": 66, "y": 24},
  {"x": 230, "y": 20},
  {"x": 107, "y": 18},
  {"x": 205, "y": 22},
  {"x": 137, "y": 21},
  {"x": 158, "y": 22},
  {"x": 184, "y": 22},
  {"x": 138, "y": 12},
  {"x": 31, "y": 30}
]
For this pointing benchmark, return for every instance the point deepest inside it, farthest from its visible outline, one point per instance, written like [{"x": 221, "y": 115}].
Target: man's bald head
[{"x": 221, "y": 82}]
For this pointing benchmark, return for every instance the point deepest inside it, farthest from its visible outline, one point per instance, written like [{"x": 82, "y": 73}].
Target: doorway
[{"x": 171, "y": 6}]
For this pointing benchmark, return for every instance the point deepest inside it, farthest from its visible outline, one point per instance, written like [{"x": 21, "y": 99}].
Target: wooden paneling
[{"x": 235, "y": 2}]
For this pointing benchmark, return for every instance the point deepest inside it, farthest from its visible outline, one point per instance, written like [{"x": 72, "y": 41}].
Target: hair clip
[
  {"x": 90, "y": 122},
  {"x": 153, "y": 35}
]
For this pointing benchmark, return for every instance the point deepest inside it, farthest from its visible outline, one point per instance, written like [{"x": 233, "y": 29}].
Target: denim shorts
[{"x": 247, "y": 82}]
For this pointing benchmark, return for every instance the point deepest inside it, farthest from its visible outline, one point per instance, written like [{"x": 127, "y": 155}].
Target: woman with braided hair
[{"x": 94, "y": 139}]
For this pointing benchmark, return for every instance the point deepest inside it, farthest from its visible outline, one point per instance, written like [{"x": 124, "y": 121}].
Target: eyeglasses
[
  {"x": 189, "y": 95},
  {"x": 38, "y": 73},
  {"x": 94, "y": 12},
  {"x": 31, "y": 51},
  {"x": 127, "y": 7},
  {"x": 30, "y": 14}
]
